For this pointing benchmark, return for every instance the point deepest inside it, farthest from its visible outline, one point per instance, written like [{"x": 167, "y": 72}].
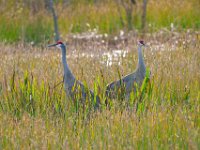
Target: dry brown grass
[{"x": 169, "y": 120}]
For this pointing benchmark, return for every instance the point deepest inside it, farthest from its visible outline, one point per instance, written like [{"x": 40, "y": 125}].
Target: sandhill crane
[
  {"x": 72, "y": 85},
  {"x": 129, "y": 81}
]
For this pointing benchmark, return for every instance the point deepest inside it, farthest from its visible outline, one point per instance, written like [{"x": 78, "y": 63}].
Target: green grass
[
  {"x": 25, "y": 30},
  {"x": 176, "y": 12},
  {"x": 35, "y": 114},
  {"x": 20, "y": 24},
  {"x": 9, "y": 31}
]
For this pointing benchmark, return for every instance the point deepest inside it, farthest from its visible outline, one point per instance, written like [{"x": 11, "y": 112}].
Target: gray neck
[
  {"x": 68, "y": 76},
  {"x": 141, "y": 65}
]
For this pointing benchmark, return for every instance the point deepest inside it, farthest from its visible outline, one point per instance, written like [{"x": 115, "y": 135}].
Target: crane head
[
  {"x": 58, "y": 44},
  {"x": 141, "y": 43}
]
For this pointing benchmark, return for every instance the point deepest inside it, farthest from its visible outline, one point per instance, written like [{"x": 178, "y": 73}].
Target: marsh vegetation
[
  {"x": 162, "y": 114},
  {"x": 35, "y": 114}
]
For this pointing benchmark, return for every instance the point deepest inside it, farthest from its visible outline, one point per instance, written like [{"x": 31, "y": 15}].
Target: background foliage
[
  {"x": 34, "y": 111},
  {"x": 31, "y": 20}
]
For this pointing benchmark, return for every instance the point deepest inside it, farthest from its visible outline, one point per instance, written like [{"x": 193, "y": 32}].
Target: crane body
[
  {"x": 128, "y": 83},
  {"x": 73, "y": 87}
]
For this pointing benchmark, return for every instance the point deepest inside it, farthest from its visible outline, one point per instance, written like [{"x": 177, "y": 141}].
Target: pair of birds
[{"x": 74, "y": 86}]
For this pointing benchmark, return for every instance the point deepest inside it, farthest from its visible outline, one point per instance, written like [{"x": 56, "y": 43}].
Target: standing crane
[
  {"x": 74, "y": 87},
  {"x": 128, "y": 83}
]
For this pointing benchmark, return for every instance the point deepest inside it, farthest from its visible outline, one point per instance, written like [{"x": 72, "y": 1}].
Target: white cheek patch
[
  {"x": 59, "y": 45},
  {"x": 141, "y": 44}
]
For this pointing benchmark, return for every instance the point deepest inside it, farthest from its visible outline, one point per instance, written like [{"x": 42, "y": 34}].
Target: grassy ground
[
  {"x": 35, "y": 114},
  {"x": 19, "y": 23}
]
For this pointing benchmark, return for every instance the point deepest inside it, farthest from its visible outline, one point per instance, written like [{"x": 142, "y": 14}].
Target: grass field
[
  {"x": 34, "y": 113},
  {"x": 20, "y": 24}
]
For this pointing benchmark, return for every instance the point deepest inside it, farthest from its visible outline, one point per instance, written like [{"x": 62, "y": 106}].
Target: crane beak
[{"x": 51, "y": 45}]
